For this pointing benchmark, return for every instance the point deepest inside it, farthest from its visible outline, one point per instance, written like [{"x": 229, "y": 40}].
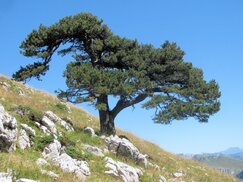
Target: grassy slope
[{"x": 23, "y": 162}]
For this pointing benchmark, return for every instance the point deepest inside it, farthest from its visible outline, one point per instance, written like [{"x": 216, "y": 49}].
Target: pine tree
[{"x": 106, "y": 65}]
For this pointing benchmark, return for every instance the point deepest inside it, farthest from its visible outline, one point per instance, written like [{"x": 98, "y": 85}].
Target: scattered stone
[
  {"x": 124, "y": 147},
  {"x": 94, "y": 150},
  {"x": 29, "y": 130},
  {"x": 49, "y": 124},
  {"x": 52, "y": 151},
  {"x": 162, "y": 179},
  {"x": 154, "y": 166},
  {"x": 5, "y": 177},
  {"x": 5, "y": 85},
  {"x": 8, "y": 131},
  {"x": 64, "y": 161},
  {"x": 49, "y": 173},
  {"x": 41, "y": 162},
  {"x": 67, "y": 126},
  {"x": 89, "y": 130},
  {"x": 25, "y": 180},
  {"x": 178, "y": 174},
  {"x": 24, "y": 140},
  {"x": 20, "y": 92},
  {"x": 119, "y": 169}
]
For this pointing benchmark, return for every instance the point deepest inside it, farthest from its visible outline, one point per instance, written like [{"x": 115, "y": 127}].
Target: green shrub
[
  {"x": 77, "y": 153},
  {"x": 41, "y": 142},
  {"x": 61, "y": 106}
]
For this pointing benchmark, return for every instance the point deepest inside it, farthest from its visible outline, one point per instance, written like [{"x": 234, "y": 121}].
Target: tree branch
[{"x": 122, "y": 103}]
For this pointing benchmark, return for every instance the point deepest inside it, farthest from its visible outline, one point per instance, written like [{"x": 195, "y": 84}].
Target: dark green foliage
[
  {"x": 108, "y": 65},
  {"x": 77, "y": 153},
  {"x": 61, "y": 106},
  {"x": 42, "y": 141}
]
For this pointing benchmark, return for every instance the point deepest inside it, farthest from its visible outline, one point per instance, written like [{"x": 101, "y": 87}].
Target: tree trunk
[{"x": 107, "y": 125}]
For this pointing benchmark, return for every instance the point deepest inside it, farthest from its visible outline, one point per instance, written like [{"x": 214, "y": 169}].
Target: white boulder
[
  {"x": 124, "y": 147},
  {"x": 89, "y": 130},
  {"x": 8, "y": 131},
  {"x": 54, "y": 153},
  {"x": 94, "y": 150},
  {"x": 41, "y": 162},
  {"x": 53, "y": 117},
  {"x": 5, "y": 177},
  {"x": 24, "y": 140},
  {"x": 119, "y": 169}
]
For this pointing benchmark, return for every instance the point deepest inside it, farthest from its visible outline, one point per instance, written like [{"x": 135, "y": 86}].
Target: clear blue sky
[{"x": 210, "y": 32}]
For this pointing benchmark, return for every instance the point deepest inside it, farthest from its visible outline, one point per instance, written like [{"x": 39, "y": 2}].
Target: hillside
[{"x": 29, "y": 106}]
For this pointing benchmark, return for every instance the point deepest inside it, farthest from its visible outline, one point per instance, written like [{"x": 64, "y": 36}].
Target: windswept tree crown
[{"x": 105, "y": 65}]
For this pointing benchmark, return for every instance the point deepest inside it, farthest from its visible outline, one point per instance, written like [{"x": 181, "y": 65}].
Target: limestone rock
[
  {"x": 8, "y": 131},
  {"x": 65, "y": 162},
  {"x": 94, "y": 150},
  {"x": 24, "y": 140},
  {"x": 53, "y": 117},
  {"x": 89, "y": 130},
  {"x": 29, "y": 130},
  {"x": 5, "y": 85},
  {"x": 162, "y": 179},
  {"x": 68, "y": 164},
  {"x": 49, "y": 124},
  {"x": 52, "y": 151},
  {"x": 125, "y": 172},
  {"x": 124, "y": 147},
  {"x": 178, "y": 174},
  {"x": 26, "y": 180},
  {"x": 5, "y": 177},
  {"x": 41, "y": 162}
]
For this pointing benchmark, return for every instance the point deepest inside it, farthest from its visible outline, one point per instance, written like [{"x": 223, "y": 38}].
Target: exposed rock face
[
  {"x": 5, "y": 177},
  {"x": 26, "y": 133},
  {"x": 41, "y": 162},
  {"x": 49, "y": 124},
  {"x": 94, "y": 150},
  {"x": 29, "y": 130},
  {"x": 24, "y": 140},
  {"x": 65, "y": 162},
  {"x": 122, "y": 146},
  {"x": 53, "y": 117},
  {"x": 89, "y": 130},
  {"x": 178, "y": 174},
  {"x": 125, "y": 172},
  {"x": 162, "y": 179},
  {"x": 8, "y": 131}
]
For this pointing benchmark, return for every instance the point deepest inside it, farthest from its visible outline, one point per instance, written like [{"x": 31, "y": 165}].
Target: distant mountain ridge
[{"x": 228, "y": 161}]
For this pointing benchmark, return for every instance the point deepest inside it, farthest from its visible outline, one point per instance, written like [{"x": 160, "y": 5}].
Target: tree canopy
[{"x": 107, "y": 65}]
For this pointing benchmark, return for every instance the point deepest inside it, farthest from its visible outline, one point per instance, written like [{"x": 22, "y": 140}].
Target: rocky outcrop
[
  {"x": 53, "y": 117},
  {"x": 89, "y": 131},
  {"x": 162, "y": 179},
  {"x": 119, "y": 169},
  {"x": 8, "y": 131},
  {"x": 5, "y": 177},
  {"x": 26, "y": 134},
  {"x": 54, "y": 153},
  {"x": 41, "y": 162},
  {"x": 124, "y": 147},
  {"x": 48, "y": 123},
  {"x": 94, "y": 150}
]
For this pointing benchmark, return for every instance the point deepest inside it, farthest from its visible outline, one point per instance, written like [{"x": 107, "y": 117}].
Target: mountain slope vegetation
[{"x": 23, "y": 162}]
